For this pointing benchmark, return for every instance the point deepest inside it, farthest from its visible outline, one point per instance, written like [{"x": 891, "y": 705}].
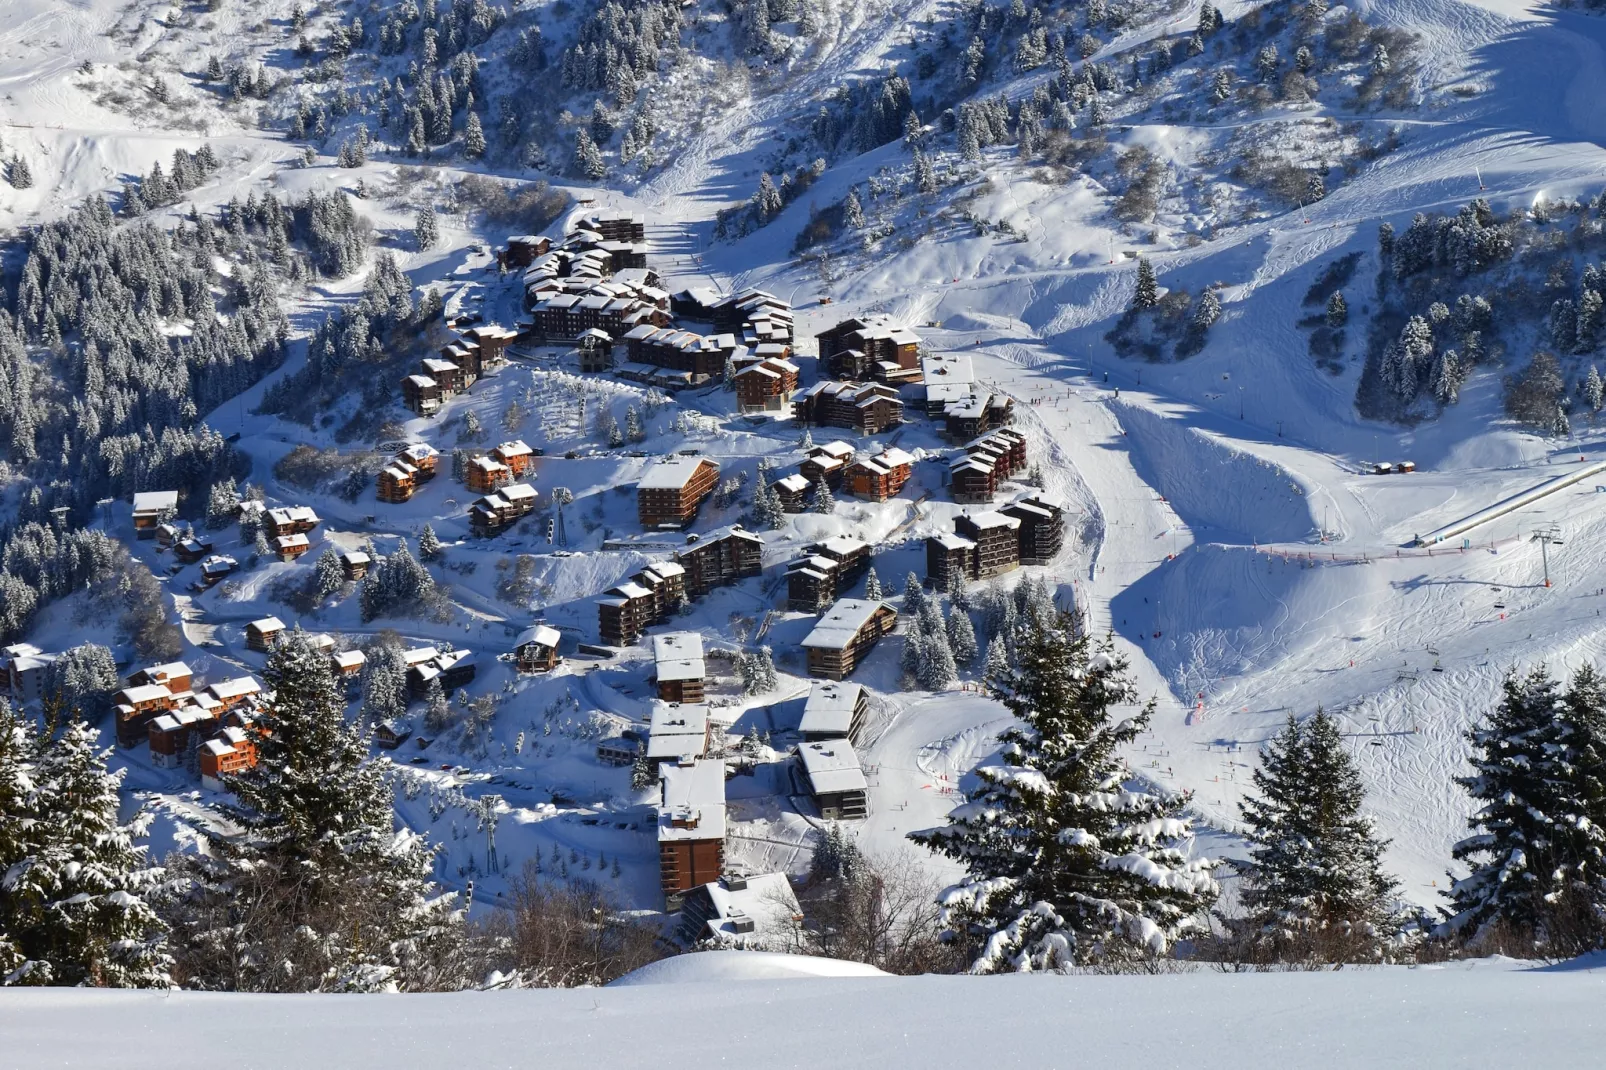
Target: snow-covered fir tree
[
  {"x": 426, "y": 231},
  {"x": 1314, "y": 887},
  {"x": 320, "y": 891},
  {"x": 1147, "y": 292},
  {"x": 1539, "y": 832},
  {"x": 914, "y": 594},
  {"x": 995, "y": 667},
  {"x": 429, "y": 544},
  {"x": 75, "y": 909},
  {"x": 961, "y": 636},
  {"x": 853, "y": 211},
  {"x": 823, "y": 501},
  {"x": 1068, "y": 860},
  {"x": 1337, "y": 310},
  {"x": 872, "y": 585},
  {"x": 384, "y": 680},
  {"x": 327, "y": 573}
]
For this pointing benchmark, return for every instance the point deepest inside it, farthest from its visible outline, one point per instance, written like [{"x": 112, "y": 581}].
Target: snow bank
[
  {"x": 1486, "y": 1014},
  {"x": 1213, "y": 484},
  {"x": 743, "y": 966}
]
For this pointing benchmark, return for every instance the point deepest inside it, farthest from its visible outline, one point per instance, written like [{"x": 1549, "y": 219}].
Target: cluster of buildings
[
  {"x": 952, "y": 394},
  {"x": 458, "y": 367},
  {"x": 410, "y": 469},
  {"x": 991, "y": 542},
  {"x": 727, "y": 556},
  {"x": 872, "y": 347},
  {"x": 502, "y": 501}
]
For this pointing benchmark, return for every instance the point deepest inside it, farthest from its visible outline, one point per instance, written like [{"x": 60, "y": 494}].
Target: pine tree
[
  {"x": 19, "y": 174},
  {"x": 995, "y": 668},
  {"x": 1056, "y": 875},
  {"x": 473, "y": 136},
  {"x": 1314, "y": 886},
  {"x": 1538, "y": 835},
  {"x": 384, "y": 682},
  {"x": 429, "y": 544},
  {"x": 329, "y": 576},
  {"x": 767, "y": 201},
  {"x": 805, "y": 441},
  {"x": 872, "y": 586},
  {"x": 823, "y": 501},
  {"x": 936, "y": 668},
  {"x": 1594, "y": 390},
  {"x": 961, "y": 636},
  {"x": 643, "y": 774},
  {"x": 768, "y": 508},
  {"x": 588, "y": 162},
  {"x": 914, "y": 595},
  {"x": 75, "y": 910},
  {"x": 320, "y": 892},
  {"x": 853, "y": 211},
  {"x": 1337, "y": 310},
  {"x": 426, "y": 232},
  {"x": 1147, "y": 293}
]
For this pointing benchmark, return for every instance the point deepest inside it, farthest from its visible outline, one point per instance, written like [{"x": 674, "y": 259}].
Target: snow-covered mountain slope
[
  {"x": 1230, "y": 534},
  {"x": 1488, "y": 1014}
]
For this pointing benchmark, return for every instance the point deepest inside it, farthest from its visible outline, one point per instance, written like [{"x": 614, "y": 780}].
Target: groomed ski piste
[{"x": 1225, "y": 525}]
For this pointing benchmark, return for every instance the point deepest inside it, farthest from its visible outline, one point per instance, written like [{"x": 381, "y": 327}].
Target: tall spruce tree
[
  {"x": 1314, "y": 886},
  {"x": 319, "y": 891},
  {"x": 1539, "y": 832},
  {"x": 75, "y": 908},
  {"x": 1068, "y": 861}
]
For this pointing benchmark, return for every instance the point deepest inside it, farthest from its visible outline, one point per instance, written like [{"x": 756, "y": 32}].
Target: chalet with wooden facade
[
  {"x": 230, "y": 752},
  {"x": 290, "y": 547},
  {"x": 354, "y": 565},
  {"x": 421, "y": 394},
  {"x": 678, "y": 666},
  {"x": 697, "y": 357},
  {"x": 794, "y": 491},
  {"x": 136, "y": 706},
  {"x": 827, "y": 569},
  {"x": 845, "y": 635},
  {"x": 494, "y": 513},
  {"x": 978, "y": 475},
  {"x": 189, "y": 551},
  {"x": 293, "y": 520},
  {"x": 537, "y": 649},
  {"x": 670, "y": 492},
  {"x": 868, "y": 408},
  {"x": 827, "y": 462},
  {"x": 720, "y": 558},
  {"x": 453, "y": 668},
  {"x": 880, "y": 477},
  {"x": 982, "y": 544},
  {"x": 691, "y": 825},
  {"x": 835, "y": 710},
  {"x": 261, "y": 635},
  {"x": 516, "y": 455},
  {"x": 152, "y": 507},
  {"x": 216, "y": 567},
  {"x": 766, "y": 386},
  {"x": 625, "y": 612},
  {"x": 975, "y": 414},
  {"x": 835, "y": 780},
  {"x": 872, "y": 347},
  {"x": 1042, "y": 529},
  {"x": 347, "y": 666},
  {"x": 522, "y": 250},
  {"x": 483, "y": 474}
]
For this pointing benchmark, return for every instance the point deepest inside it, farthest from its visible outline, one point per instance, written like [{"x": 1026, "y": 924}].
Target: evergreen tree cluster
[
  {"x": 757, "y": 670},
  {"x": 1537, "y": 849},
  {"x": 38, "y": 564},
  {"x": 96, "y": 398},
  {"x": 396, "y": 585},
  {"x": 74, "y": 886},
  {"x": 158, "y": 189}
]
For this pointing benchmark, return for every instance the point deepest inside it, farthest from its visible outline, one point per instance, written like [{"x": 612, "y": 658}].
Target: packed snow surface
[{"x": 1487, "y": 1014}]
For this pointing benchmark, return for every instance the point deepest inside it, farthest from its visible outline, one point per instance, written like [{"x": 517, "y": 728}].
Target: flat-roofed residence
[
  {"x": 537, "y": 649},
  {"x": 670, "y": 492},
  {"x": 831, "y": 769},
  {"x": 151, "y": 507},
  {"x": 755, "y": 913},
  {"x": 691, "y": 825},
  {"x": 679, "y": 730},
  {"x": 845, "y": 635},
  {"x": 678, "y": 666},
  {"x": 834, "y": 710}
]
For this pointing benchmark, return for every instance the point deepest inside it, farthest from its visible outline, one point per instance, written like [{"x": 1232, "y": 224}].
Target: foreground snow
[{"x": 1484, "y": 1014}]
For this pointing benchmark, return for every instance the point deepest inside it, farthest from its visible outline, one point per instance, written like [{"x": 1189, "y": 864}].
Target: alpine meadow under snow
[{"x": 744, "y": 498}]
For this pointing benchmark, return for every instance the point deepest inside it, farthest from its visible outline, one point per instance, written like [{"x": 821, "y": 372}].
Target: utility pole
[{"x": 1545, "y": 537}]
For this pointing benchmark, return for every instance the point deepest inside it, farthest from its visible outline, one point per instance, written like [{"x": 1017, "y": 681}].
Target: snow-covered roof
[
  {"x": 893, "y": 457},
  {"x": 794, "y": 482},
  {"x": 842, "y": 623},
  {"x": 155, "y": 501},
  {"x": 671, "y": 473},
  {"x": 756, "y": 908},
  {"x": 843, "y": 545},
  {"x": 267, "y": 624},
  {"x": 678, "y": 656},
  {"x": 239, "y": 687},
  {"x": 832, "y": 766},
  {"x": 694, "y": 798},
  {"x": 419, "y": 655},
  {"x": 829, "y": 710},
  {"x": 168, "y": 670},
  {"x": 517, "y": 448},
  {"x": 133, "y": 696},
  {"x": 992, "y": 519},
  {"x": 346, "y": 660},
  {"x": 539, "y": 634},
  {"x": 291, "y": 542},
  {"x": 516, "y": 493},
  {"x": 355, "y": 557}
]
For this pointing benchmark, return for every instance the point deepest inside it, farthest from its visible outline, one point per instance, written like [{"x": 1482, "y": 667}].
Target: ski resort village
[{"x": 523, "y": 495}]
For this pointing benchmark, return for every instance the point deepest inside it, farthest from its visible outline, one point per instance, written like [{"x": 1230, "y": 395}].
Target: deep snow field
[
  {"x": 1223, "y": 527},
  {"x": 771, "y": 1011}
]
